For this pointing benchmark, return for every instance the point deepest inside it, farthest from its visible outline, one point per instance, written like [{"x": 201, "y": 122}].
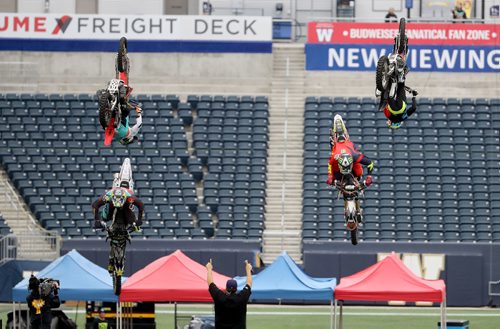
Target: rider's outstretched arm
[
  {"x": 96, "y": 205},
  {"x": 140, "y": 207},
  {"x": 138, "y": 124},
  {"x": 368, "y": 163},
  {"x": 413, "y": 107}
]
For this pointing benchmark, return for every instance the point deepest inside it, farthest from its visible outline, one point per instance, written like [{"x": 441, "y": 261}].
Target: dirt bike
[
  {"x": 350, "y": 189},
  {"x": 392, "y": 69},
  {"x": 110, "y": 106}
]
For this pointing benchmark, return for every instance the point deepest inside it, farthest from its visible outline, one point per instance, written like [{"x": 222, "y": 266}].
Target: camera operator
[{"x": 44, "y": 295}]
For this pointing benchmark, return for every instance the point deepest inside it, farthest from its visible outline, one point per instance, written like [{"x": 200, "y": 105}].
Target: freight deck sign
[
  {"x": 156, "y": 33},
  {"x": 433, "y": 47}
]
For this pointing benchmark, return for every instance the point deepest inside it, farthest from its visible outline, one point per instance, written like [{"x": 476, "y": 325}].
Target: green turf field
[{"x": 295, "y": 317}]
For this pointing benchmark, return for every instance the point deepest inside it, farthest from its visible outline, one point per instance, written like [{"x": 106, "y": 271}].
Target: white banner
[{"x": 135, "y": 27}]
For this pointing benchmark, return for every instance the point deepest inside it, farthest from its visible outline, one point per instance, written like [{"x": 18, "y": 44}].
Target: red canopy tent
[
  {"x": 390, "y": 279},
  {"x": 173, "y": 278}
]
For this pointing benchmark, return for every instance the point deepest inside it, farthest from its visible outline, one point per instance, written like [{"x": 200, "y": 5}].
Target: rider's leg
[
  {"x": 396, "y": 103},
  {"x": 111, "y": 263},
  {"x": 123, "y": 129}
]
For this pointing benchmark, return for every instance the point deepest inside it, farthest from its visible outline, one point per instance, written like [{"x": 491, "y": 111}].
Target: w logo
[
  {"x": 62, "y": 24},
  {"x": 324, "y": 35}
]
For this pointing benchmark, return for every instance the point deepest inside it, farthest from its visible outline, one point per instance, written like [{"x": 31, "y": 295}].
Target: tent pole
[
  {"x": 175, "y": 315},
  {"x": 341, "y": 322},
  {"x": 14, "y": 314},
  {"x": 335, "y": 314},
  {"x": 331, "y": 314},
  {"x": 443, "y": 313}
]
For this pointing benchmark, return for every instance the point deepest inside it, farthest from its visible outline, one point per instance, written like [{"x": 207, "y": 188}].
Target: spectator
[
  {"x": 230, "y": 306},
  {"x": 100, "y": 322},
  {"x": 458, "y": 12},
  {"x": 391, "y": 16},
  {"x": 44, "y": 296},
  {"x": 207, "y": 8}
]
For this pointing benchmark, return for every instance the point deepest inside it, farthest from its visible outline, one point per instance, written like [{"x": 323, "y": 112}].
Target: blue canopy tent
[
  {"x": 283, "y": 280},
  {"x": 80, "y": 280}
]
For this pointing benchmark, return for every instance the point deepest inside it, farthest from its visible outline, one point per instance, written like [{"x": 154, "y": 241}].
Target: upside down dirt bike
[
  {"x": 392, "y": 69},
  {"x": 111, "y": 99},
  {"x": 350, "y": 189}
]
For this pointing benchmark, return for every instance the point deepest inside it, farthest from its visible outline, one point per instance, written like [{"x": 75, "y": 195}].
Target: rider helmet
[
  {"x": 345, "y": 162},
  {"x": 118, "y": 197}
]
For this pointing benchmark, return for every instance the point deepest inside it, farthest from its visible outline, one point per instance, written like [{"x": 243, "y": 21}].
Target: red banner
[{"x": 418, "y": 33}]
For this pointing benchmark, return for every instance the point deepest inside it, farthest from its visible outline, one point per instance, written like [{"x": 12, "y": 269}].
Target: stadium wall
[
  {"x": 228, "y": 256},
  {"x": 184, "y": 73},
  {"x": 466, "y": 268},
  {"x": 84, "y": 72}
]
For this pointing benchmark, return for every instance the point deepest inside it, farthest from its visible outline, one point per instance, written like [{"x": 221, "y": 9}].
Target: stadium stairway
[
  {"x": 284, "y": 188},
  {"x": 34, "y": 242}
]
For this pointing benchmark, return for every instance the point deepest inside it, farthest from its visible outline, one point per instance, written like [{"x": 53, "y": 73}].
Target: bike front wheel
[
  {"x": 117, "y": 284},
  {"x": 354, "y": 236}
]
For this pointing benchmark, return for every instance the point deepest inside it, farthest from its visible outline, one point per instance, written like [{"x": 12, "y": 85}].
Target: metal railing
[
  {"x": 35, "y": 242},
  {"x": 238, "y": 11},
  {"x": 301, "y": 26},
  {"x": 8, "y": 248}
]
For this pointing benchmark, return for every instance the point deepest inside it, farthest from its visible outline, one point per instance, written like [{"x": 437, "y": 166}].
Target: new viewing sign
[
  {"x": 432, "y": 47},
  {"x": 156, "y": 33}
]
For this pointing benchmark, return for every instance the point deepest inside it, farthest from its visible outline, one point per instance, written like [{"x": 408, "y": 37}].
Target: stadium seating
[
  {"x": 52, "y": 148},
  {"x": 4, "y": 228},
  {"x": 435, "y": 179}
]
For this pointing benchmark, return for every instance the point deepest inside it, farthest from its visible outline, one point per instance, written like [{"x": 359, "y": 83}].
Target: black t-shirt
[
  {"x": 230, "y": 309},
  {"x": 40, "y": 309}
]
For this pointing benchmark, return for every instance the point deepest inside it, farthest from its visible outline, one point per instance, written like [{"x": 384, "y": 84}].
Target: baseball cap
[{"x": 231, "y": 285}]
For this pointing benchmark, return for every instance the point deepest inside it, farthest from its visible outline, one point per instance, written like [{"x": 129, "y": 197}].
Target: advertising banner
[
  {"x": 156, "y": 33},
  {"x": 432, "y": 47}
]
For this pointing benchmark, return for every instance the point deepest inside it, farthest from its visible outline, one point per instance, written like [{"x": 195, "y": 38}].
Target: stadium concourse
[{"x": 231, "y": 163}]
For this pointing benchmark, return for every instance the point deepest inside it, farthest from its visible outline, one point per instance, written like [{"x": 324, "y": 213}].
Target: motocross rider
[
  {"x": 128, "y": 135},
  {"x": 395, "y": 108},
  {"x": 345, "y": 159},
  {"x": 118, "y": 202},
  {"x": 341, "y": 144}
]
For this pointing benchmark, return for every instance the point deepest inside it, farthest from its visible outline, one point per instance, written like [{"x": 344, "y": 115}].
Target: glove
[
  {"x": 134, "y": 228},
  {"x": 98, "y": 224},
  {"x": 414, "y": 93},
  {"x": 329, "y": 181},
  {"x": 368, "y": 180}
]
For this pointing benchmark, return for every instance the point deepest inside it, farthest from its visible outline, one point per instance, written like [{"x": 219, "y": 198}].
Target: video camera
[{"x": 46, "y": 286}]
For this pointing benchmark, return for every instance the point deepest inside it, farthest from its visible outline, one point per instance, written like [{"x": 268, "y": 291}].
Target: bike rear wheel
[
  {"x": 122, "y": 60},
  {"x": 402, "y": 36},
  {"x": 354, "y": 237},
  {"x": 382, "y": 75},
  {"x": 105, "y": 112}
]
